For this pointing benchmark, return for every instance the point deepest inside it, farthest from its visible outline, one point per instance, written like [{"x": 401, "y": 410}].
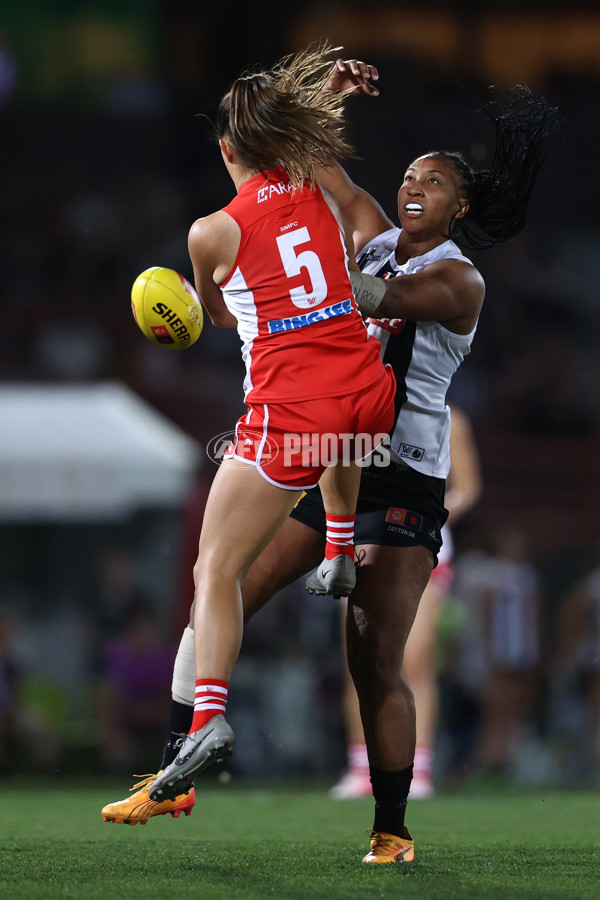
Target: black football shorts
[{"x": 397, "y": 507}]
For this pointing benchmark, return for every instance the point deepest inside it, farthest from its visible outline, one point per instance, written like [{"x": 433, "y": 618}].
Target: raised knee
[{"x": 376, "y": 664}]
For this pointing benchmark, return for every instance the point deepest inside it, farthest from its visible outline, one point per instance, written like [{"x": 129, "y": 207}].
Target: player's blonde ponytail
[{"x": 284, "y": 117}]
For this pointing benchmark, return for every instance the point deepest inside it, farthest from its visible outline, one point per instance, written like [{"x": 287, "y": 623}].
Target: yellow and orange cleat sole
[
  {"x": 139, "y": 807},
  {"x": 389, "y": 848}
]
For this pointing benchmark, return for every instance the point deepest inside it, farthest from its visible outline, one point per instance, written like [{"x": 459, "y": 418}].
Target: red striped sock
[
  {"x": 210, "y": 700},
  {"x": 423, "y": 760},
  {"x": 340, "y": 536},
  {"x": 358, "y": 758}
]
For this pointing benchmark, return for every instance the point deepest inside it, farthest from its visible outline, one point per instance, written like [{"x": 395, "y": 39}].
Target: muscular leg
[
  {"x": 339, "y": 486},
  {"x": 350, "y": 705},
  {"x": 354, "y": 781},
  {"x": 419, "y": 662},
  {"x": 294, "y": 551},
  {"x": 242, "y": 515},
  {"x": 419, "y": 670},
  {"x": 381, "y": 610}
]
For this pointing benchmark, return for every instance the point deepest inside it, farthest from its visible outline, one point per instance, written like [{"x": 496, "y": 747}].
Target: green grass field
[{"x": 249, "y": 843}]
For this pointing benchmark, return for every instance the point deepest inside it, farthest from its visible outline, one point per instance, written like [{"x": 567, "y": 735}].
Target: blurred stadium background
[{"x": 103, "y": 475}]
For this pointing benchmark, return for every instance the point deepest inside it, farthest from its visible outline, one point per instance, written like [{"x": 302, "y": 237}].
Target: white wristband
[{"x": 368, "y": 291}]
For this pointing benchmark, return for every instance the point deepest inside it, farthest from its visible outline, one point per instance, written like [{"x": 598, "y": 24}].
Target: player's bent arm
[
  {"x": 450, "y": 292},
  {"x": 360, "y": 211},
  {"x": 213, "y": 243}
]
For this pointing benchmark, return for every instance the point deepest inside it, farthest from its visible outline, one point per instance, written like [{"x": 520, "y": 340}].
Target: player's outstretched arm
[{"x": 362, "y": 214}]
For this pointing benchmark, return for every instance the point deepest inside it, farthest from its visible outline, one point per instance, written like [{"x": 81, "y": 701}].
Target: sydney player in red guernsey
[
  {"x": 288, "y": 289},
  {"x": 274, "y": 263}
]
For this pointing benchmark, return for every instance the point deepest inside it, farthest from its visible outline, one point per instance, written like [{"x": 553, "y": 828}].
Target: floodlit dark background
[{"x": 106, "y": 162}]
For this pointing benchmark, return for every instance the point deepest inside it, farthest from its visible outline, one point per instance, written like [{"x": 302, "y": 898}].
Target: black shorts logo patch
[{"x": 397, "y": 516}]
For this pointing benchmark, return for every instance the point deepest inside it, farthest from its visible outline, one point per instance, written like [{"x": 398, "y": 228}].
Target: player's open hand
[{"x": 352, "y": 73}]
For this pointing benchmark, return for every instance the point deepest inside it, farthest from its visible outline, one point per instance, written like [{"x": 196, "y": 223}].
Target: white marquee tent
[{"x": 84, "y": 452}]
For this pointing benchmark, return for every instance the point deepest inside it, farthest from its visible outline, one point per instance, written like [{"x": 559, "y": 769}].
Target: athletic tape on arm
[{"x": 368, "y": 291}]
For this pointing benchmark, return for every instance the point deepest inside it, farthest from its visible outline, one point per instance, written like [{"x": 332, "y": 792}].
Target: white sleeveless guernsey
[{"x": 424, "y": 356}]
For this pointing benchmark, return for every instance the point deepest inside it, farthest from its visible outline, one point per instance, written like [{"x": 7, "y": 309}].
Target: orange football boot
[
  {"x": 139, "y": 807},
  {"x": 389, "y": 848}
]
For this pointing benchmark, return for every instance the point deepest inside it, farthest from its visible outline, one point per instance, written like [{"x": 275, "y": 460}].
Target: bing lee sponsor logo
[{"x": 317, "y": 315}]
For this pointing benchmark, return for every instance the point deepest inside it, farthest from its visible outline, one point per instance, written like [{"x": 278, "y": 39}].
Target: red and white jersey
[{"x": 302, "y": 335}]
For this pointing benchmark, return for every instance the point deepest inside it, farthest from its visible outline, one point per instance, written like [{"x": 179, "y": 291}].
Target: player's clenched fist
[{"x": 353, "y": 73}]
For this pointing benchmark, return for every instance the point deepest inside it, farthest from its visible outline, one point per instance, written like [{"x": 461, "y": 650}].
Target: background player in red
[{"x": 274, "y": 262}]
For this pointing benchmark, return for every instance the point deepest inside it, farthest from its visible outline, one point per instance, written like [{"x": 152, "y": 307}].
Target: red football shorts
[{"x": 291, "y": 444}]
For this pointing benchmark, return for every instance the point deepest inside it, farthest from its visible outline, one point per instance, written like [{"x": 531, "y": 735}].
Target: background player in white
[{"x": 578, "y": 679}]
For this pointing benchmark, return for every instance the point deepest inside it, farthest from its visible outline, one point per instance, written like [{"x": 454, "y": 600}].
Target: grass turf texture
[{"x": 253, "y": 844}]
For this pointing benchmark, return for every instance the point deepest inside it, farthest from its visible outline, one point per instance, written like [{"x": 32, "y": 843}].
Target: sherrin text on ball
[{"x": 166, "y": 308}]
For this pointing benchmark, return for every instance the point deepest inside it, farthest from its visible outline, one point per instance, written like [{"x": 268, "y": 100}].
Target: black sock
[
  {"x": 180, "y": 719},
  {"x": 390, "y": 790}
]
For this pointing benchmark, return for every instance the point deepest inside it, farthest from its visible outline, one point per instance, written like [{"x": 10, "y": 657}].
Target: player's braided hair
[
  {"x": 526, "y": 128},
  {"x": 283, "y": 117}
]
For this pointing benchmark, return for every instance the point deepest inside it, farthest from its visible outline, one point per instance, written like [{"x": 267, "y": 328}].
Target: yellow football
[{"x": 167, "y": 308}]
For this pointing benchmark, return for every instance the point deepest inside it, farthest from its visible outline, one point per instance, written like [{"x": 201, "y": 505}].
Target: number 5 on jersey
[{"x": 294, "y": 262}]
